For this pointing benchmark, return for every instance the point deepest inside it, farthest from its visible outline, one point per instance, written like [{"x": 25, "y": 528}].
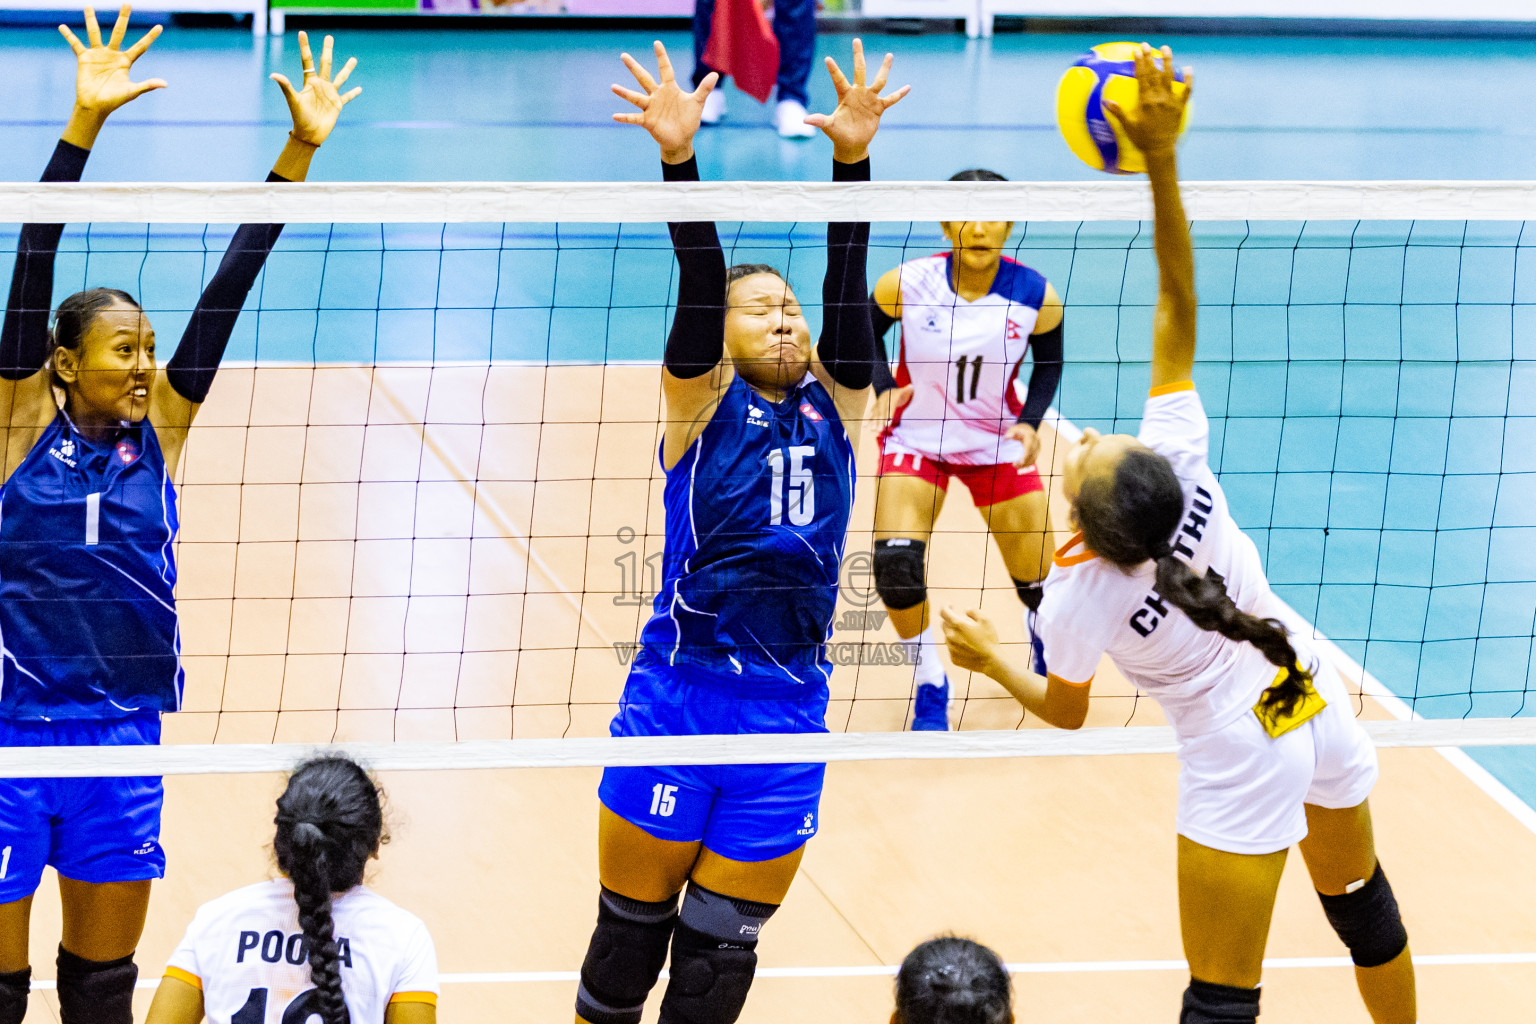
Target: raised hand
[
  {"x": 666, "y": 111},
  {"x": 853, "y": 124},
  {"x": 101, "y": 76},
  {"x": 1154, "y": 126},
  {"x": 318, "y": 104}
]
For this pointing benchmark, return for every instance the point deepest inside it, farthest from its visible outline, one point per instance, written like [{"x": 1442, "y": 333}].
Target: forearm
[
  {"x": 192, "y": 367},
  {"x": 1045, "y": 378},
  {"x": 697, "y": 338},
  {"x": 1171, "y": 241},
  {"x": 1024, "y": 686},
  {"x": 24, "y": 335},
  {"x": 847, "y": 347}
]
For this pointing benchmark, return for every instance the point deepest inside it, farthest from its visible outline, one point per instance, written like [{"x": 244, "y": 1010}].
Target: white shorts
[{"x": 1242, "y": 792}]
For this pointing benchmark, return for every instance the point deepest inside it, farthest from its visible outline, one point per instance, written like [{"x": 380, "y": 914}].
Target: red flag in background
[{"x": 742, "y": 45}]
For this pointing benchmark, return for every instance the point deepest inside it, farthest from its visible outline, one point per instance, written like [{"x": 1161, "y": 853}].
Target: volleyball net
[{"x": 421, "y": 510}]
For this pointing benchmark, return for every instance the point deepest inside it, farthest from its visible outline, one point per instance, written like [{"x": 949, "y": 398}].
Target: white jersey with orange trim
[
  {"x": 246, "y": 952},
  {"x": 962, "y": 360},
  {"x": 1202, "y": 680}
]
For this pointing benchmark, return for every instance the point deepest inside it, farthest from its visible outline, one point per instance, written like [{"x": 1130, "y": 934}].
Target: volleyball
[{"x": 1106, "y": 72}]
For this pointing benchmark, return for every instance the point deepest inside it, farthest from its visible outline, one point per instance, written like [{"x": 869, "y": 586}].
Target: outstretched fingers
[
  {"x": 638, "y": 70},
  {"x": 92, "y": 30},
  {"x": 287, "y": 87},
  {"x": 639, "y": 99},
  {"x": 345, "y": 72},
  {"x": 858, "y": 62},
  {"x": 663, "y": 63},
  {"x": 136, "y": 51},
  {"x": 894, "y": 98},
  {"x": 707, "y": 86},
  {"x": 138, "y": 89},
  {"x": 306, "y": 55},
  {"x": 839, "y": 80},
  {"x": 69, "y": 37},
  {"x": 325, "y": 57},
  {"x": 883, "y": 74},
  {"x": 119, "y": 28},
  {"x": 351, "y": 94}
]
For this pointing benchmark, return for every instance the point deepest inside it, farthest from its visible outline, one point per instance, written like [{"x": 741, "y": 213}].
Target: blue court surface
[{"x": 1370, "y": 384}]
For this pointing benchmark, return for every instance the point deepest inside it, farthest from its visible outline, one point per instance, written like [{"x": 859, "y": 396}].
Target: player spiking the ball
[{"x": 1163, "y": 580}]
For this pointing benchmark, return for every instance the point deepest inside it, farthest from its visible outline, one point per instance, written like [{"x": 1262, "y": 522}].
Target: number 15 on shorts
[{"x": 663, "y": 800}]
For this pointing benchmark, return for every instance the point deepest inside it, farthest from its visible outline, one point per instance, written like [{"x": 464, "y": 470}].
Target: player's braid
[
  {"x": 1130, "y": 517},
  {"x": 312, "y": 892},
  {"x": 330, "y": 820}
]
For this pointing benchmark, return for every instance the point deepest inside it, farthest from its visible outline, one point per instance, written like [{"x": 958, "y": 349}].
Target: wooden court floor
[{"x": 430, "y": 552}]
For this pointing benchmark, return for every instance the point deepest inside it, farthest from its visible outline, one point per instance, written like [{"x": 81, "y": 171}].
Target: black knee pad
[
  {"x": 1030, "y": 592},
  {"x": 714, "y": 956},
  {"x": 1205, "y": 1003},
  {"x": 95, "y": 991},
  {"x": 624, "y": 958},
  {"x": 1368, "y": 921},
  {"x": 899, "y": 573},
  {"x": 14, "y": 987}
]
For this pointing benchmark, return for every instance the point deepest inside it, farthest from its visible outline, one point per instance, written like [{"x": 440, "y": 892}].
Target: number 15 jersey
[
  {"x": 247, "y": 953},
  {"x": 757, "y": 515}
]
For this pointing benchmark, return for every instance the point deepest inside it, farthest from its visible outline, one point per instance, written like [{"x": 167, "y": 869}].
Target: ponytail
[
  {"x": 330, "y": 820},
  {"x": 1129, "y": 517}
]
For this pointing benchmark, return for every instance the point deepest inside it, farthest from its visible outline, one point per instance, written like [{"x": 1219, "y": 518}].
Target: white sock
[{"x": 923, "y": 651}]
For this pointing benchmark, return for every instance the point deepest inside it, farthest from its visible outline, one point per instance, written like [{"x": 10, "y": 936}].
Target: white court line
[
  {"x": 1383, "y": 695},
  {"x": 1045, "y": 967}
]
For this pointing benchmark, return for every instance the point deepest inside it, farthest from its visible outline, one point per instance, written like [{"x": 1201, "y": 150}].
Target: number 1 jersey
[
  {"x": 757, "y": 515},
  {"x": 247, "y": 953}
]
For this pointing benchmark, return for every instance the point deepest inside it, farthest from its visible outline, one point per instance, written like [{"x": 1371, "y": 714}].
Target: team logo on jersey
[
  {"x": 65, "y": 452},
  {"x": 1015, "y": 330},
  {"x": 756, "y": 416},
  {"x": 127, "y": 450},
  {"x": 810, "y": 412}
]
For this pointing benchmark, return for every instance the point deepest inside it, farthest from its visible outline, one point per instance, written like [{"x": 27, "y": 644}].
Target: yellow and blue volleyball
[{"x": 1106, "y": 72}]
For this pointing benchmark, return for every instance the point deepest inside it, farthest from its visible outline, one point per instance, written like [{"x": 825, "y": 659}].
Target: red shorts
[{"x": 989, "y": 485}]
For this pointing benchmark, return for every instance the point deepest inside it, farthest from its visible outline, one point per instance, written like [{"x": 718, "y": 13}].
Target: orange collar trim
[
  {"x": 1168, "y": 389},
  {"x": 1063, "y": 559}
]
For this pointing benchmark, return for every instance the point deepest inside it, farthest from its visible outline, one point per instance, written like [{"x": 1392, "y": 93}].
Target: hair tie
[{"x": 308, "y": 831}]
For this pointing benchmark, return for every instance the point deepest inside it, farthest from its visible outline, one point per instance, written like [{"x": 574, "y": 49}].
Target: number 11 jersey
[
  {"x": 247, "y": 953},
  {"x": 962, "y": 360}
]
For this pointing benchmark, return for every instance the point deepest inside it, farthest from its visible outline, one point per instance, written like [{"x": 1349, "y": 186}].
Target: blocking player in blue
[
  {"x": 760, "y": 476},
  {"x": 91, "y": 652}
]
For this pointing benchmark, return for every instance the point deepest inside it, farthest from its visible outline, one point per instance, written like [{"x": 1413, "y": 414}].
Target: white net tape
[{"x": 755, "y": 201}]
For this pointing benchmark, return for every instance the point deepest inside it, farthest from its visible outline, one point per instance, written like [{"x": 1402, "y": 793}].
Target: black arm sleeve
[
  {"x": 24, "y": 337},
  {"x": 880, "y": 370},
  {"x": 847, "y": 345},
  {"x": 1043, "y": 380},
  {"x": 697, "y": 338},
  {"x": 192, "y": 368}
]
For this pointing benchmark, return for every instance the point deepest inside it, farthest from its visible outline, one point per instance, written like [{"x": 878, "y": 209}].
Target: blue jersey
[
  {"x": 757, "y": 516},
  {"x": 87, "y": 612}
]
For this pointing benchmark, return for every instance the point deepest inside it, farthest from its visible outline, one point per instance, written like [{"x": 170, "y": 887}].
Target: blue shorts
[
  {"x": 746, "y": 812},
  {"x": 91, "y": 830}
]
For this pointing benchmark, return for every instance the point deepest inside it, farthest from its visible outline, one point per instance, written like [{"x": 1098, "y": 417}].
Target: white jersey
[
  {"x": 1202, "y": 680},
  {"x": 962, "y": 360},
  {"x": 246, "y": 952}
]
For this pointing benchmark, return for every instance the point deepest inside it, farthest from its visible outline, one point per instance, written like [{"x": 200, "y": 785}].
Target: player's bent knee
[
  {"x": 1368, "y": 921},
  {"x": 1207, "y": 1003},
  {"x": 95, "y": 991},
  {"x": 714, "y": 956},
  {"x": 899, "y": 573},
  {"x": 624, "y": 958},
  {"x": 14, "y": 987}
]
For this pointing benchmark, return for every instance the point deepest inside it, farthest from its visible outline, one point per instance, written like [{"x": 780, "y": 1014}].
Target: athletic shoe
[
  {"x": 1036, "y": 645},
  {"x": 930, "y": 711},
  {"x": 714, "y": 106},
  {"x": 790, "y": 118}
]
